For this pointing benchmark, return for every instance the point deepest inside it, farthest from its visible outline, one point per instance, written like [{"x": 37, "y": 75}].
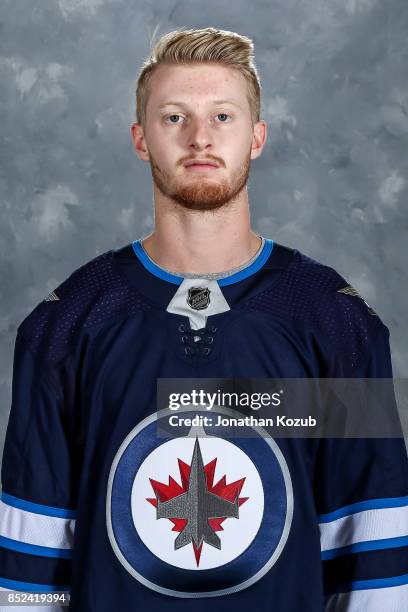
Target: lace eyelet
[
  {"x": 213, "y": 328},
  {"x": 210, "y": 339},
  {"x": 184, "y": 339},
  {"x": 206, "y": 350},
  {"x": 181, "y": 327},
  {"x": 188, "y": 350}
]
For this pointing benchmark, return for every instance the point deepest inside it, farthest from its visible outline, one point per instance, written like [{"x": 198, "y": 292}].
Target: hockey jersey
[{"x": 95, "y": 504}]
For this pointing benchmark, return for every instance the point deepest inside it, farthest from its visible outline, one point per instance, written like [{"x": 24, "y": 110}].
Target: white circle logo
[
  {"x": 226, "y": 483},
  {"x": 198, "y": 515}
]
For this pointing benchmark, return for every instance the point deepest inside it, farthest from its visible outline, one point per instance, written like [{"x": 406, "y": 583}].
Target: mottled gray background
[{"x": 332, "y": 180}]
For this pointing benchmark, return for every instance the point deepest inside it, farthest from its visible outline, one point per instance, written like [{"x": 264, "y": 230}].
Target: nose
[{"x": 200, "y": 136}]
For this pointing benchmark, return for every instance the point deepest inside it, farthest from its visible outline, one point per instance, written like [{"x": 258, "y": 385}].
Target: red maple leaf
[{"x": 228, "y": 491}]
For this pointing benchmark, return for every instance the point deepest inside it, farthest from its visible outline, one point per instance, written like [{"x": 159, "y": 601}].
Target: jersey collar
[{"x": 222, "y": 282}]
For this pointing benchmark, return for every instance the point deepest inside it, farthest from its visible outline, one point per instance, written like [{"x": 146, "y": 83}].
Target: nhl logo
[{"x": 198, "y": 298}]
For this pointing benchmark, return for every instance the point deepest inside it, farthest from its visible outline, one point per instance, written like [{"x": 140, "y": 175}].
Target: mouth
[
  {"x": 201, "y": 167},
  {"x": 204, "y": 164}
]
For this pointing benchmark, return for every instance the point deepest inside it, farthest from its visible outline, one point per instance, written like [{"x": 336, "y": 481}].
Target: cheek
[
  {"x": 240, "y": 154},
  {"x": 165, "y": 143},
  {"x": 236, "y": 143},
  {"x": 158, "y": 148}
]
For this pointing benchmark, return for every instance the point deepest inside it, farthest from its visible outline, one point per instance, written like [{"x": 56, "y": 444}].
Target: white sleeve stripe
[
  {"x": 384, "y": 544},
  {"x": 365, "y": 526},
  {"x": 368, "y": 504},
  {"x": 392, "y": 599},
  {"x": 36, "y": 529},
  {"x": 23, "y": 504}
]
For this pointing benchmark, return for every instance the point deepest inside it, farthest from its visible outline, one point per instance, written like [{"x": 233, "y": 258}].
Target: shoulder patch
[
  {"x": 51, "y": 297},
  {"x": 349, "y": 290}
]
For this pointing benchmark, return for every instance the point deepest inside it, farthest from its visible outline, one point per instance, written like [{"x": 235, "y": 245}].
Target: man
[{"x": 94, "y": 500}]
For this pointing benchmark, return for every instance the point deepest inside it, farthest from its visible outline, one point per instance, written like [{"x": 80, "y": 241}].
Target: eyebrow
[{"x": 178, "y": 103}]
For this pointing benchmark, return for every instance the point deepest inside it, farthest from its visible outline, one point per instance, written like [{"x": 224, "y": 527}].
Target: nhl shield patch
[
  {"x": 198, "y": 298},
  {"x": 198, "y": 516}
]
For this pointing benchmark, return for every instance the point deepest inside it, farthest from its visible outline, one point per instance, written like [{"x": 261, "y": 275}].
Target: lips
[{"x": 201, "y": 163}]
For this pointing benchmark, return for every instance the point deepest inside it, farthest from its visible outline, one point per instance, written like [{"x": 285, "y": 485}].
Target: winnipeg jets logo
[
  {"x": 198, "y": 298},
  {"x": 215, "y": 529},
  {"x": 197, "y": 507}
]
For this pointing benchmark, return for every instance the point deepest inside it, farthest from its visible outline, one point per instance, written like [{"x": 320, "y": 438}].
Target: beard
[{"x": 198, "y": 191}]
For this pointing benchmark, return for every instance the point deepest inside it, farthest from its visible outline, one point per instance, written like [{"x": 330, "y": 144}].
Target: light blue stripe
[
  {"x": 22, "y": 504},
  {"x": 35, "y": 549},
  {"x": 370, "y": 504},
  {"x": 17, "y": 585},
  {"x": 364, "y": 546},
  {"x": 154, "y": 268},
  {"x": 229, "y": 280},
  {"x": 376, "y": 583},
  {"x": 254, "y": 267}
]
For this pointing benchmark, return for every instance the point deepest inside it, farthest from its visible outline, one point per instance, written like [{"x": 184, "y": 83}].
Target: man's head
[{"x": 198, "y": 98}]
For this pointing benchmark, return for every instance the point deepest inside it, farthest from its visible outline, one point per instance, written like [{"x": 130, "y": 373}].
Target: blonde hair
[{"x": 189, "y": 46}]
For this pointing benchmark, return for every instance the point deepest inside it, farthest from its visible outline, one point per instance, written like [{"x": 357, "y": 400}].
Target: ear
[
  {"x": 139, "y": 141},
  {"x": 258, "y": 138}
]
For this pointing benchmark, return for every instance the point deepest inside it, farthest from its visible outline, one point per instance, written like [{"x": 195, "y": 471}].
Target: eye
[
  {"x": 223, "y": 115},
  {"x": 170, "y": 118},
  {"x": 173, "y": 115}
]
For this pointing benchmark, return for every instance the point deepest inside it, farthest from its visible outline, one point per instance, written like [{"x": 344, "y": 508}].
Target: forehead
[{"x": 192, "y": 82}]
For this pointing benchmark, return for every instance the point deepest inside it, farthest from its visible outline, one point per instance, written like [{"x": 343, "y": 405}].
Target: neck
[{"x": 201, "y": 242}]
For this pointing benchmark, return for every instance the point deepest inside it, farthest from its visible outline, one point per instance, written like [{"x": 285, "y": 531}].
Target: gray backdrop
[{"x": 332, "y": 180}]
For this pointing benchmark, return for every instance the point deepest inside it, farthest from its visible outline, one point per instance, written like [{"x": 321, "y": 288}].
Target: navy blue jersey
[{"x": 94, "y": 502}]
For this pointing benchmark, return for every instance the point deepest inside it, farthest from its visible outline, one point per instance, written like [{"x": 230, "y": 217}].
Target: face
[{"x": 199, "y": 112}]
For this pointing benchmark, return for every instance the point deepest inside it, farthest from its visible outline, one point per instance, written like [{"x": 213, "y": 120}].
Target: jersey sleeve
[
  {"x": 38, "y": 501},
  {"x": 361, "y": 493}
]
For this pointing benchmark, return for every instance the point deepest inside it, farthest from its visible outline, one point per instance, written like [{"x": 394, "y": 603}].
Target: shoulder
[
  {"x": 339, "y": 312},
  {"x": 318, "y": 298},
  {"x": 92, "y": 294},
  {"x": 322, "y": 289},
  {"x": 307, "y": 287}
]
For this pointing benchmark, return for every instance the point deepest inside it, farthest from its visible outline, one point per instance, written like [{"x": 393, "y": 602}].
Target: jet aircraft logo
[
  {"x": 198, "y": 515},
  {"x": 197, "y": 507}
]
